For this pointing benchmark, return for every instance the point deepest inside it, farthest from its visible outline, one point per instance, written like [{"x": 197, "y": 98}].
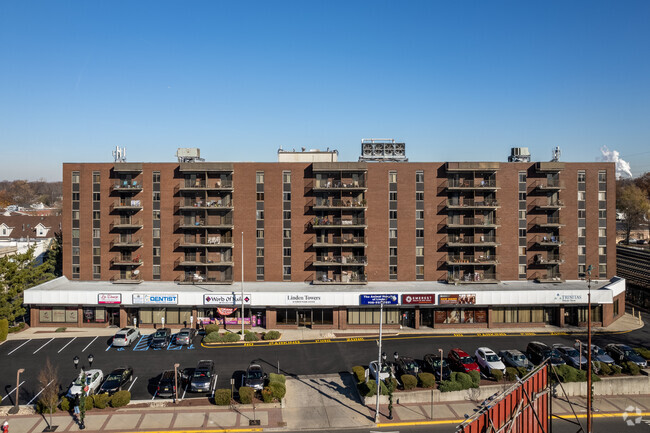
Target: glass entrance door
[{"x": 304, "y": 318}]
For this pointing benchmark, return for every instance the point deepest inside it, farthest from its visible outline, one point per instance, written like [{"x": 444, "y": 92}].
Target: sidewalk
[{"x": 626, "y": 323}]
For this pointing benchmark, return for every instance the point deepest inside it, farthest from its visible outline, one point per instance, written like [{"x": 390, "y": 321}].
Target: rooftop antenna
[
  {"x": 119, "y": 154},
  {"x": 556, "y": 154}
]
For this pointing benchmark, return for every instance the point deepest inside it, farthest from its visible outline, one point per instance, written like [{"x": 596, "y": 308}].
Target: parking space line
[
  {"x": 66, "y": 345},
  {"x": 145, "y": 345},
  {"x": 108, "y": 347},
  {"x": 90, "y": 343},
  {"x": 185, "y": 390},
  {"x": 43, "y": 346},
  {"x": 9, "y": 393},
  {"x": 34, "y": 398},
  {"x": 214, "y": 386},
  {"x": 154, "y": 395},
  {"x": 136, "y": 378},
  {"x": 19, "y": 346}
]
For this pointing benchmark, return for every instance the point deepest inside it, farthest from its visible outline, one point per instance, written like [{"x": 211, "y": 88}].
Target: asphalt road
[{"x": 292, "y": 359}]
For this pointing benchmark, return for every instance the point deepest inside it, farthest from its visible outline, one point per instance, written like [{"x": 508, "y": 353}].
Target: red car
[{"x": 459, "y": 360}]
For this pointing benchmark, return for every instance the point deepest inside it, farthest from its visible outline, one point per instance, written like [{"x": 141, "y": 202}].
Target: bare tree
[{"x": 47, "y": 379}]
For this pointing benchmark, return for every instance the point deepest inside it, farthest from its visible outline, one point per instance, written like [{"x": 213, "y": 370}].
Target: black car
[
  {"x": 167, "y": 384},
  {"x": 201, "y": 380},
  {"x": 406, "y": 365},
  {"x": 622, "y": 353},
  {"x": 116, "y": 379},
  {"x": 432, "y": 364},
  {"x": 537, "y": 352},
  {"x": 161, "y": 338},
  {"x": 254, "y": 377}
]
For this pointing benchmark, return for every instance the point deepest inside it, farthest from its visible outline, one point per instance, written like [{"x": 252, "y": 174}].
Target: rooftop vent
[
  {"x": 519, "y": 154},
  {"x": 189, "y": 154},
  {"x": 382, "y": 149}
]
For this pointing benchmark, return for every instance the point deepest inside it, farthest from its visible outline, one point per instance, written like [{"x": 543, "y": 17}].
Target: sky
[{"x": 455, "y": 80}]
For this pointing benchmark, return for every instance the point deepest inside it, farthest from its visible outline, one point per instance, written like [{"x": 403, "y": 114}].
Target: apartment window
[
  {"x": 392, "y": 233},
  {"x": 602, "y": 195},
  {"x": 581, "y": 196},
  {"x": 419, "y": 214},
  {"x": 419, "y": 233},
  {"x": 392, "y": 214},
  {"x": 419, "y": 177},
  {"x": 522, "y": 176},
  {"x": 286, "y": 177},
  {"x": 582, "y": 213},
  {"x": 582, "y": 250},
  {"x": 419, "y": 252},
  {"x": 392, "y": 272},
  {"x": 96, "y": 233},
  {"x": 522, "y": 269},
  {"x": 582, "y": 177},
  {"x": 602, "y": 250},
  {"x": 156, "y": 233},
  {"x": 582, "y": 232},
  {"x": 259, "y": 252},
  {"x": 602, "y": 232},
  {"x": 259, "y": 177},
  {"x": 419, "y": 272},
  {"x": 602, "y": 270},
  {"x": 286, "y": 234},
  {"x": 260, "y": 234},
  {"x": 75, "y": 177},
  {"x": 286, "y": 196},
  {"x": 260, "y": 196},
  {"x": 522, "y": 251},
  {"x": 522, "y": 196},
  {"x": 419, "y": 196},
  {"x": 602, "y": 176},
  {"x": 392, "y": 251},
  {"x": 392, "y": 196},
  {"x": 260, "y": 214},
  {"x": 522, "y": 233},
  {"x": 392, "y": 177},
  {"x": 602, "y": 213},
  {"x": 75, "y": 223}
]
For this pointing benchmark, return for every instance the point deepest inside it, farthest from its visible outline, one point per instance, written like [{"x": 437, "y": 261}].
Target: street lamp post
[
  {"x": 15, "y": 409},
  {"x": 176, "y": 382},
  {"x": 381, "y": 321},
  {"x": 75, "y": 361},
  {"x": 91, "y": 358},
  {"x": 579, "y": 354},
  {"x": 440, "y": 350},
  {"x": 589, "y": 349}
]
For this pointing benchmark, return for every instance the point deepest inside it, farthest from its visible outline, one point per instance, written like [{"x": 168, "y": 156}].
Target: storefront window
[
  {"x": 146, "y": 316},
  {"x": 370, "y": 316},
  {"x": 71, "y": 315},
  {"x": 172, "y": 317},
  {"x": 460, "y": 315},
  {"x": 596, "y": 313},
  {"x": 518, "y": 315},
  {"x": 286, "y": 316},
  {"x": 58, "y": 315},
  {"x": 323, "y": 316},
  {"x": 158, "y": 314},
  {"x": 45, "y": 315},
  {"x": 94, "y": 315}
]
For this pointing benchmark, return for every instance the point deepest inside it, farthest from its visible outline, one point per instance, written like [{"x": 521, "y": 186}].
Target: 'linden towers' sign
[{"x": 304, "y": 300}]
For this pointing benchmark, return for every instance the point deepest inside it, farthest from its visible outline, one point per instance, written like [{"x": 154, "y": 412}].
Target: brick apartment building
[{"x": 442, "y": 244}]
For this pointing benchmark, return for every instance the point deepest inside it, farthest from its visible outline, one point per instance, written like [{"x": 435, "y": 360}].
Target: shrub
[
  {"x": 246, "y": 395},
  {"x": 616, "y": 369},
  {"x": 60, "y": 329},
  {"x": 604, "y": 368},
  {"x": 120, "y": 398},
  {"x": 212, "y": 337},
  {"x": 100, "y": 401},
  {"x": 450, "y": 385},
  {"x": 278, "y": 389},
  {"x": 65, "y": 404},
  {"x": 209, "y": 329},
  {"x": 88, "y": 403},
  {"x": 229, "y": 337},
  {"x": 497, "y": 375},
  {"x": 476, "y": 378},
  {"x": 409, "y": 381},
  {"x": 643, "y": 352},
  {"x": 511, "y": 374},
  {"x": 4, "y": 329},
  {"x": 631, "y": 368},
  {"x": 267, "y": 394},
  {"x": 522, "y": 371},
  {"x": 367, "y": 389},
  {"x": 273, "y": 377},
  {"x": 41, "y": 408},
  {"x": 426, "y": 380},
  {"x": 358, "y": 371},
  {"x": 17, "y": 328},
  {"x": 566, "y": 373},
  {"x": 222, "y": 397},
  {"x": 391, "y": 382},
  {"x": 250, "y": 336},
  {"x": 465, "y": 380},
  {"x": 271, "y": 335}
]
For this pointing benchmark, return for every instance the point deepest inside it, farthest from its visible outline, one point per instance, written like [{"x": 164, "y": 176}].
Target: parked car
[
  {"x": 537, "y": 352},
  {"x": 514, "y": 358},
  {"x": 254, "y": 377},
  {"x": 201, "y": 380},
  {"x": 185, "y": 337},
  {"x": 116, "y": 379},
  {"x": 489, "y": 361},
  {"x": 432, "y": 364},
  {"x": 406, "y": 365},
  {"x": 384, "y": 373},
  {"x": 90, "y": 378},
  {"x": 459, "y": 360},
  {"x": 161, "y": 338},
  {"x": 125, "y": 337},
  {"x": 597, "y": 354},
  {"x": 167, "y": 384},
  {"x": 571, "y": 356},
  {"x": 622, "y": 353}
]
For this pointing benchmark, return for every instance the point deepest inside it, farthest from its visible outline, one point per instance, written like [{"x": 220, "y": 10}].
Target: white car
[
  {"x": 384, "y": 373},
  {"x": 489, "y": 361},
  {"x": 90, "y": 378},
  {"x": 126, "y": 337}
]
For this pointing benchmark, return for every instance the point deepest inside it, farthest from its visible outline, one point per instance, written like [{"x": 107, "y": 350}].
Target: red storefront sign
[
  {"x": 226, "y": 311},
  {"x": 419, "y": 299}
]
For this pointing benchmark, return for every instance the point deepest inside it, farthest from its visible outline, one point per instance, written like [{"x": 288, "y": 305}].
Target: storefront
[{"x": 294, "y": 305}]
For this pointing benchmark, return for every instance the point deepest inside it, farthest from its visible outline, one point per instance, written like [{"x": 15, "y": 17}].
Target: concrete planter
[
  {"x": 424, "y": 395},
  {"x": 622, "y": 385}
]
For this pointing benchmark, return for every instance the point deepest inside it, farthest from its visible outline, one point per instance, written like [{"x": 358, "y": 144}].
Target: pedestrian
[
  {"x": 76, "y": 407},
  {"x": 5, "y": 427}
]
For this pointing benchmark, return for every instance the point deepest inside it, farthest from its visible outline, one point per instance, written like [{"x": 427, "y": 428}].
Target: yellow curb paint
[{"x": 227, "y": 430}]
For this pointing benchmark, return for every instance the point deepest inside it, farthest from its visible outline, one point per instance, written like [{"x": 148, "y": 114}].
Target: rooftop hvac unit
[
  {"x": 188, "y": 154},
  {"x": 382, "y": 149},
  {"x": 519, "y": 154}
]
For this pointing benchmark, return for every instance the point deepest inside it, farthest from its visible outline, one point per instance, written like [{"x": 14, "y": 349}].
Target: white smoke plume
[{"x": 622, "y": 167}]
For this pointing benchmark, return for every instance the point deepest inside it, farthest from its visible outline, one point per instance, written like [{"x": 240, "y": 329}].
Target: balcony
[
  {"x": 126, "y": 243},
  {"x": 327, "y": 222},
  {"x": 129, "y": 262},
  {"x": 552, "y": 277},
  {"x": 340, "y": 204},
  {"x": 474, "y": 278},
  {"x": 548, "y": 240},
  {"x": 224, "y": 223},
  {"x": 190, "y": 205},
  {"x": 471, "y": 184},
  {"x": 548, "y": 259},
  {"x": 337, "y": 241},
  {"x": 469, "y": 260},
  {"x": 128, "y": 278},
  {"x": 548, "y": 221},
  {"x": 200, "y": 279},
  {"x": 132, "y": 187},
  {"x": 550, "y": 185},
  {"x": 210, "y": 241},
  {"x": 473, "y": 222},
  {"x": 126, "y": 205},
  {"x": 545, "y": 204},
  {"x": 472, "y": 204},
  {"x": 338, "y": 184},
  {"x": 347, "y": 278},
  {"x": 130, "y": 224},
  {"x": 472, "y": 241},
  {"x": 340, "y": 261},
  {"x": 202, "y": 185},
  {"x": 203, "y": 261}
]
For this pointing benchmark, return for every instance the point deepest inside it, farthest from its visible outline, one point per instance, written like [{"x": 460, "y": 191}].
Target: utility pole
[
  {"x": 242, "y": 286},
  {"x": 377, "y": 379},
  {"x": 589, "y": 349}
]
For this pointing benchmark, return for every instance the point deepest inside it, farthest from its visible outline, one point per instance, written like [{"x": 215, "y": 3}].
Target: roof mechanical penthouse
[{"x": 499, "y": 241}]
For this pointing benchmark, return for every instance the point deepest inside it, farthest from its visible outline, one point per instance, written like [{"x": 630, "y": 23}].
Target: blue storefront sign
[{"x": 378, "y": 299}]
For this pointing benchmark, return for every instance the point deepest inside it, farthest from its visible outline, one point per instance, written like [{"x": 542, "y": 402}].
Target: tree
[
  {"x": 47, "y": 379},
  {"x": 643, "y": 182},
  {"x": 54, "y": 256},
  {"x": 634, "y": 203}
]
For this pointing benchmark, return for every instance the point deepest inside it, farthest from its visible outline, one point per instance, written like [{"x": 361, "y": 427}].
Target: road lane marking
[
  {"x": 136, "y": 378},
  {"x": 66, "y": 345},
  {"x": 42, "y": 346},
  {"x": 19, "y": 346},
  {"x": 30, "y": 401},
  {"x": 9, "y": 393},
  {"x": 90, "y": 343}
]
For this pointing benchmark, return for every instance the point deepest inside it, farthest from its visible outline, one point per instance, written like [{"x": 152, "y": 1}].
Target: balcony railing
[
  {"x": 474, "y": 278},
  {"x": 471, "y": 240},
  {"x": 337, "y": 222},
  {"x": 203, "y": 261},
  {"x": 126, "y": 186},
  {"x": 339, "y": 184},
  {"x": 545, "y": 203},
  {"x": 208, "y": 204},
  {"x": 454, "y": 259},
  {"x": 547, "y": 259},
  {"x": 202, "y": 223},
  {"x": 544, "y": 184},
  {"x": 551, "y": 277},
  {"x": 132, "y": 278},
  {"x": 548, "y": 221},
  {"x": 471, "y": 203},
  {"x": 126, "y": 243},
  {"x": 337, "y": 203},
  {"x": 340, "y": 260},
  {"x": 341, "y": 279},
  {"x": 343, "y": 241},
  {"x": 473, "y": 222},
  {"x": 471, "y": 184},
  {"x": 130, "y": 205},
  {"x": 216, "y": 241},
  {"x": 122, "y": 261},
  {"x": 202, "y": 279},
  {"x": 549, "y": 240},
  {"x": 203, "y": 184},
  {"x": 126, "y": 224}
]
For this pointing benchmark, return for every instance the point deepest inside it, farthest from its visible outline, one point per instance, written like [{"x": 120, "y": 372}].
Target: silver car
[{"x": 125, "y": 337}]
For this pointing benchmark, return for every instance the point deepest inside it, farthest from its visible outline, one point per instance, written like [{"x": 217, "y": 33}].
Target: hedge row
[
  {"x": 643, "y": 352},
  {"x": 460, "y": 381},
  {"x": 215, "y": 337},
  {"x": 4, "y": 329},
  {"x": 99, "y": 401},
  {"x": 212, "y": 335},
  {"x": 275, "y": 390}
]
